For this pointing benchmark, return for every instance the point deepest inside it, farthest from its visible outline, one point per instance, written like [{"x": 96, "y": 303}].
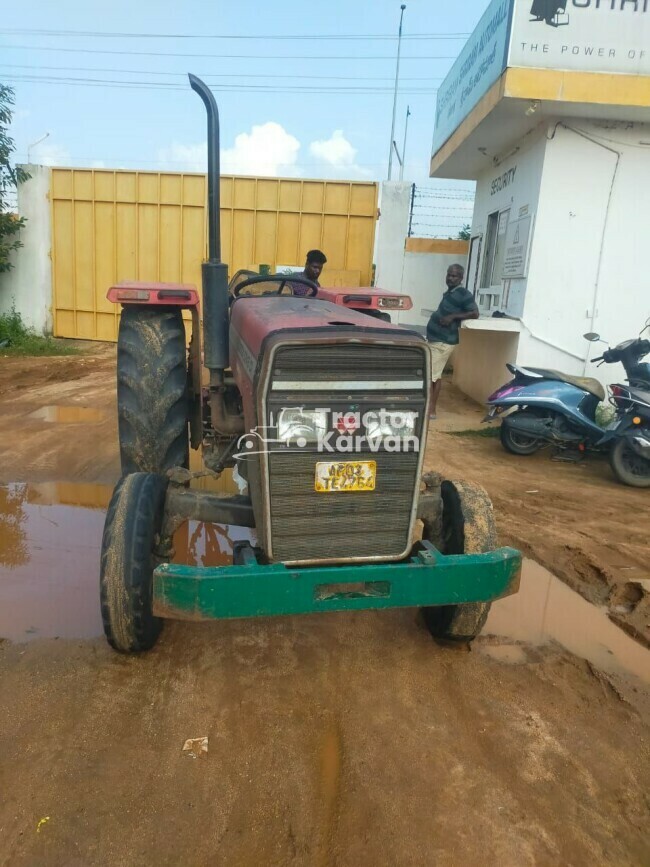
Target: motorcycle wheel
[
  {"x": 517, "y": 443},
  {"x": 628, "y": 466}
]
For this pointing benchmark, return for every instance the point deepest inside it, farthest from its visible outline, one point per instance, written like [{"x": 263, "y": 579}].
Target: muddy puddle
[
  {"x": 68, "y": 414},
  {"x": 50, "y": 538},
  {"x": 546, "y": 609}
]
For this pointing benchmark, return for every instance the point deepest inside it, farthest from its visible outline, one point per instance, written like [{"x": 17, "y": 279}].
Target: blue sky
[{"x": 265, "y": 130}]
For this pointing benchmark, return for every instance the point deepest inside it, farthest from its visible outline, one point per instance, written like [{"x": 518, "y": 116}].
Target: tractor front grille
[{"x": 306, "y": 526}]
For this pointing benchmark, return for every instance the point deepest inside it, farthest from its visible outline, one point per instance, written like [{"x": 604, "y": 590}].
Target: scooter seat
[{"x": 586, "y": 383}]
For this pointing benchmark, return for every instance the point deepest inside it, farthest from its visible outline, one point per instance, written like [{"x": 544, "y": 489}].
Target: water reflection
[
  {"x": 50, "y": 560},
  {"x": 13, "y": 546},
  {"x": 199, "y": 544},
  {"x": 50, "y": 541},
  {"x": 546, "y": 609}
]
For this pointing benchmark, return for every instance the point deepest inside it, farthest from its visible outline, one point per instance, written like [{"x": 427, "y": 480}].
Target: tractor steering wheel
[{"x": 282, "y": 279}]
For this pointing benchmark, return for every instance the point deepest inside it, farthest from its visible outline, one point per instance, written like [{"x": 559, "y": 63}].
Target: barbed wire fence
[{"x": 439, "y": 212}]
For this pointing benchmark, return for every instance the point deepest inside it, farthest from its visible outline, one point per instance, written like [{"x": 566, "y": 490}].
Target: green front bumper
[{"x": 254, "y": 590}]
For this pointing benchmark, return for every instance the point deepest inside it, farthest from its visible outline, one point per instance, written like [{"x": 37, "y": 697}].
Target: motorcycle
[{"x": 547, "y": 407}]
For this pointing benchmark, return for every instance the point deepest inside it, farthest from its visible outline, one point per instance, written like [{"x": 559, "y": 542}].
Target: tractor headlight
[
  {"x": 390, "y": 424},
  {"x": 298, "y": 426}
]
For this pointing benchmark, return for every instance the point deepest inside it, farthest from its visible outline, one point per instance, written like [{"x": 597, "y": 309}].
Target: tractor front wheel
[
  {"x": 467, "y": 527},
  {"x": 152, "y": 390},
  {"x": 131, "y": 534}
]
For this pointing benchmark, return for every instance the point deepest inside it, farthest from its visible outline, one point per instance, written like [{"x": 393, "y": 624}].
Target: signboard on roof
[
  {"x": 479, "y": 65},
  {"x": 582, "y": 35},
  {"x": 603, "y": 36}
]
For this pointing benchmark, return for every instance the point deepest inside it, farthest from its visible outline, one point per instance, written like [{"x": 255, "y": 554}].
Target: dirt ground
[{"x": 338, "y": 739}]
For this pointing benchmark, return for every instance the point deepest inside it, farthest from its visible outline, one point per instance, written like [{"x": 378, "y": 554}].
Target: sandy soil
[
  {"x": 343, "y": 740},
  {"x": 339, "y": 739}
]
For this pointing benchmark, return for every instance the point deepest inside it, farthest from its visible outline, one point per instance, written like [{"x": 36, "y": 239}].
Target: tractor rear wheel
[
  {"x": 467, "y": 527},
  {"x": 131, "y": 532},
  {"x": 152, "y": 390}
]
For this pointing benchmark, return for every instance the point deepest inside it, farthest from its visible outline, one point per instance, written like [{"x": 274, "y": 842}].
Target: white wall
[
  {"x": 623, "y": 293},
  {"x": 521, "y": 195},
  {"x": 29, "y": 284},
  {"x": 420, "y": 275},
  {"x": 591, "y": 224},
  {"x": 568, "y": 239},
  {"x": 423, "y": 278},
  {"x": 394, "y": 208},
  {"x": 588, "y": 270},
  {"x": 480, "y": 361}
]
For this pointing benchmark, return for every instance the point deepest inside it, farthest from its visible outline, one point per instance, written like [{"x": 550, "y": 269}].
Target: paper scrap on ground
[{"x": 196, "y": 748}]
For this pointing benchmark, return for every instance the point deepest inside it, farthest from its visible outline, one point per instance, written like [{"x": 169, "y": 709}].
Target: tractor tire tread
[
  {"x": 468, "y": 528},
  {"x": 133, "y": 522},
  {"x": 152, "y": 388}
]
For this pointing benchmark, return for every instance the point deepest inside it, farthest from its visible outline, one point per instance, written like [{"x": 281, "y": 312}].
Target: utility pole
[
  {"x": 411, "y": 209},
  {"x": 392, "y": 128},
  {"x": 406, "y": 128},
  {"x": 33, "y": 145}
]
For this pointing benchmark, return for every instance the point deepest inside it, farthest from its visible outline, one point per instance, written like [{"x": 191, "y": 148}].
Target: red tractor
[
  {"x": 373, "y": 302},
  {"x": 324, "y": 411}
]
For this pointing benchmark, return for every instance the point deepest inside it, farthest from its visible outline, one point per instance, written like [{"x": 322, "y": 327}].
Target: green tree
[
  {"x": 465, "y": 233},
  {"x": 10, "y": 177}
]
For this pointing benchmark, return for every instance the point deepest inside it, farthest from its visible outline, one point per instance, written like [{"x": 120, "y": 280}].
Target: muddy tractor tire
[
  {"x": 131, "y": 533},
  {"x": 467, "y": 527},
  {"x": 152, "y": 390}
]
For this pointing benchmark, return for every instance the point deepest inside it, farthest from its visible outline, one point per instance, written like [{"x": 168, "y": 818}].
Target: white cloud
[
  {"x": 268, "y": 149},
  {"x": 338, "y": 156},
  {"x": 98, "y": 164},
  {"x": 336, "y": 150}
]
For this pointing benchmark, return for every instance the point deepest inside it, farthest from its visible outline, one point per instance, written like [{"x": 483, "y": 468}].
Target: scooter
[{"x": 548, "y": 407}]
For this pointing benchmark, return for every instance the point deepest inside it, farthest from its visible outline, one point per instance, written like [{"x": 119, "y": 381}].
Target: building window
[{"x": 495, "y": 249}]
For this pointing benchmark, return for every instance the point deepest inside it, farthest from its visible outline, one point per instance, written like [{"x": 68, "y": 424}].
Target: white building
[{"x": 548, "y": 109}]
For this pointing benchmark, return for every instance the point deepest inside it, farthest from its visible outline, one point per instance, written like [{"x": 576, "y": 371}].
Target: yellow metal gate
[{"x": 110, "y": 225}]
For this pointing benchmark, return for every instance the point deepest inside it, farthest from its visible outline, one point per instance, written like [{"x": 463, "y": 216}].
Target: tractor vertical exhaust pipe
[{"x": 214, "y": 272}]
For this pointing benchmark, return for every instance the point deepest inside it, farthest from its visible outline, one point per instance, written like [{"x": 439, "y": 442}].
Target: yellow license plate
[{"x": 337, "y": 476}]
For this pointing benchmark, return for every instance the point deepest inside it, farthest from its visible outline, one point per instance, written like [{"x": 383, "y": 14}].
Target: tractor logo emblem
[{"x": 347, "y": 422}]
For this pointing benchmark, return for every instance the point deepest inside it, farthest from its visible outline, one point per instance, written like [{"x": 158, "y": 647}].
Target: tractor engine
[{"x": 334, "y": 409}]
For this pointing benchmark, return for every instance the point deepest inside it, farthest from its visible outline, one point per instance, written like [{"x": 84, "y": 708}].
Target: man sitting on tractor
[{"x": 312, "y": 271}]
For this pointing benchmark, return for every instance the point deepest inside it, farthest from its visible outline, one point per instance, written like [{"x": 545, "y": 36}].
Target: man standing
[
  {"x": 457, "y": 304},
  {"x": 312, "y": 271}
]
